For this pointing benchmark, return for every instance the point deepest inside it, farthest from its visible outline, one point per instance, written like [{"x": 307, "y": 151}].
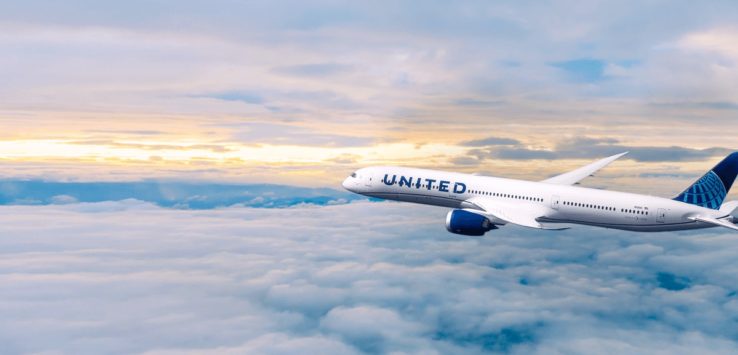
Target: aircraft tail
[{"x": 710, "y": 190}]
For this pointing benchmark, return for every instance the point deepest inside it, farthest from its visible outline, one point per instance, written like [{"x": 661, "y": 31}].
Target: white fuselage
[{"x": 561, "y": 203}]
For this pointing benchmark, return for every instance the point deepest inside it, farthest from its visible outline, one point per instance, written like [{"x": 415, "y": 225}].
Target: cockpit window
[{"x": 353, "y": 175}]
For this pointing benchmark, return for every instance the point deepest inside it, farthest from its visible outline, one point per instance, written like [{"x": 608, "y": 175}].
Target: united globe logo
[{"x": 708, "y": 191}]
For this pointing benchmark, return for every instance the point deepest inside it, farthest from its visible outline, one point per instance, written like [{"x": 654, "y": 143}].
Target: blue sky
[
  {"x": 170, "y": 175},
  {"x": 179, "y": 195}
]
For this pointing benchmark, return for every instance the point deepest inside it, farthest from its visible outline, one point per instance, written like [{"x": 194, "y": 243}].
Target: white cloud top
[{"x": 122, "y": 277}]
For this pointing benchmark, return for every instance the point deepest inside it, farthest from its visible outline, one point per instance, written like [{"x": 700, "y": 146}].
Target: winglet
[{"x": 577, "y": 175}]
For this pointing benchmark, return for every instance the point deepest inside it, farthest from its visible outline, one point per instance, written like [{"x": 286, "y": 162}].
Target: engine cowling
[{"x": 468, "y": 223}]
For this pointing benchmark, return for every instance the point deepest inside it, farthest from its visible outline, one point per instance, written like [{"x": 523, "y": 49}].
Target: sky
[
  {"x": 302, "y": 93},
  {"x": 170, "y": 175}
]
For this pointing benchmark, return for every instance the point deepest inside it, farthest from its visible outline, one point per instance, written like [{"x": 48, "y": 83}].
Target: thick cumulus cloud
[{"x": 122, "y": 277}]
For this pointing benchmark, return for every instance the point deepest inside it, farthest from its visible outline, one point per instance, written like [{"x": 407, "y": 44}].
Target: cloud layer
[
  {"x": 121, "y": 277},
  {"x": 590, "y": 148}
]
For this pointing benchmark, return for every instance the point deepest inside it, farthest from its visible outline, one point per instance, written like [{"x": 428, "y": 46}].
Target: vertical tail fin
[{"x": 710, "y": 190}]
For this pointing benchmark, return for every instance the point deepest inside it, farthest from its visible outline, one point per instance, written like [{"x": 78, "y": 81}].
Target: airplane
[{"x": 484, "y": 203}]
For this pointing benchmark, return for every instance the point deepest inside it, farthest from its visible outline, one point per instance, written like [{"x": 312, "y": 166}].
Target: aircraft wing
[
  {"x": 715, "y": 221},
  {"x": 521, "y": 213},
  {"x": 577, "y": 175}
]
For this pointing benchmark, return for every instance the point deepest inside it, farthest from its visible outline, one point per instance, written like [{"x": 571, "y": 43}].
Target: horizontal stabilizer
[
  {"x": 573, "y": 177},
  {"x": 729, "y": 209},
  {"x": 715, "y": 221}
]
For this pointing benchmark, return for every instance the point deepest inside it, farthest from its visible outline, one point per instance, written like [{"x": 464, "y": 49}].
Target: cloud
[
  {"x": 461, "y": 161},
  {"x": 372, "y": 329},
  {"x": 154, "y": 146},
  {"x": 63, "y": 199},
  {"x": 523, "y": 154},
  {"x": 248, "y": 98},
  {"x": 592, "y": 148},
  {"x": 319, "y": 70},
  {"x": 490, "y": 141},
  {"x": 130, "y": 277},
  {"x": 285, "y": 134},
  {"x": 589, "y": 148}
]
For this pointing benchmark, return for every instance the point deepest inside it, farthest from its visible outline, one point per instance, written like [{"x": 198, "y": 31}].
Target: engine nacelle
[{"x": 468, "y": 223}]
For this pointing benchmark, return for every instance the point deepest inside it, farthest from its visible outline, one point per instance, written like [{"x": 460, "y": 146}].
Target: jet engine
[{"x": 468, "y": 223}]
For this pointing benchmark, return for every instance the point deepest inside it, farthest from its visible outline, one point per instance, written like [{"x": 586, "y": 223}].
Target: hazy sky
[
  {"x": 304, "y": 92},
  {"x": 147, "y": 135}
]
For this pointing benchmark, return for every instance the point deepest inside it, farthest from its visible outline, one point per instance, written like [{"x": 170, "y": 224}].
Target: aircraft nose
[{"x": 347, "y": 184}]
